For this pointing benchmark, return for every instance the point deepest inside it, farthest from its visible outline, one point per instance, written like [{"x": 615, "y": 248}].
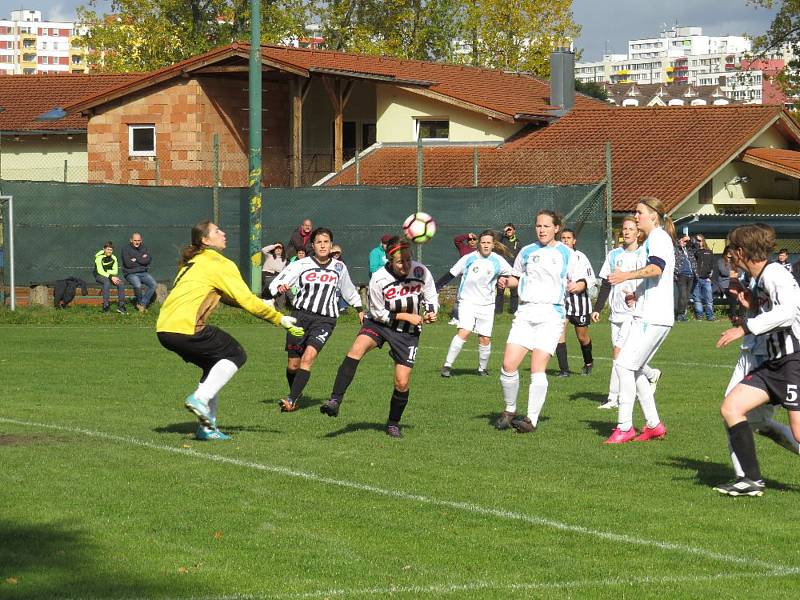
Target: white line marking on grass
[
  {"x": 475, "y": 586},
  {"x": 400, "y": 495}
]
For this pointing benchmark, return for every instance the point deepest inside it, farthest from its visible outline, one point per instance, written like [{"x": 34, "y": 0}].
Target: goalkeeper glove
[{"x": 288, "y": 323}]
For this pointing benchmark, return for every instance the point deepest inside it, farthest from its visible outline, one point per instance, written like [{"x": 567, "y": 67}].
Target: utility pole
[{"x": 254, "y": 177}]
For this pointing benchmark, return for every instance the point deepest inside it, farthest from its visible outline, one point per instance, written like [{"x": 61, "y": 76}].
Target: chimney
[{"x": 562, "y": 80}]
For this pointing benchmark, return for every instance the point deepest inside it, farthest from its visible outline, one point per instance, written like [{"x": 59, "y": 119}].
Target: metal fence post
[
  {"x": 215, "y": 183},
  {"x": 475, "y": 167},
  {"x": 419, "y": 188},
  {"x": 65, "y": 170},
  {"x": 609, "y": 197},
  {"x": 358, "y": 167},
  {"x": 158, "y": 173}
]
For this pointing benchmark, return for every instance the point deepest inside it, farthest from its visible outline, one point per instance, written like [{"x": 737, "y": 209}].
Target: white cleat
[{"x": 609, "y": 405}]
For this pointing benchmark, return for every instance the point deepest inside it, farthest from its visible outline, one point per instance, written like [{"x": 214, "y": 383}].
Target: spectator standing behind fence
[
  {"x": 684, "y": 276},
  {"x": 135, "y": 263},
  {"x": 300, "y": 240},
  {"x": 725, "y": 271},
  {"x": 106, "y": 273},
  {"x": 377, "y": 256},
  {"x": 509, "y": 241},
  {"x": 783, "y": 259},
  {"x": 702, "y": 295},
  {"x": 274, "y": 262}
]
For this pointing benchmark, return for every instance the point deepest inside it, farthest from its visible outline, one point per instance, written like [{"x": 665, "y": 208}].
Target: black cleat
[
  {"x": 504, "y": 420},
  {"x": 330, "y": 408},
  {"x": 393, "y": 430},
  {"x": 523, "y": 425},
  {"x": 563, "y": 374},
  {"x": 741, "y": 487},
  {"x": 445, "y": 371},
  {"x": 587, "y": 369}
]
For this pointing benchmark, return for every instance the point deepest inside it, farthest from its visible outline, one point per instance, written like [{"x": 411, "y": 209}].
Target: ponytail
[
  {"x": 196, "y": 246},
  {"x": 657, "y": 206}
]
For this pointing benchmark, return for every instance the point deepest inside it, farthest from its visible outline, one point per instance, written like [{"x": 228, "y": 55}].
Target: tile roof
[
  {"x": 453, "y": 166},
  {"x": 508, "y": 94},
  {"x": 662, "y": 152},
  {"x": 775, "y": 159},
  {"x": 25, "y": 97}
]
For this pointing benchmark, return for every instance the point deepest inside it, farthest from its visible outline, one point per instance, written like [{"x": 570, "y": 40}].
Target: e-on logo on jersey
[
  {"x": 402, "y": 291},
  {"x": 320, "y": 277}
]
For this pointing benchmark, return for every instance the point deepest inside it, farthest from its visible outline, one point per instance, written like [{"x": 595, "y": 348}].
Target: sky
[{"x": 606, "y": 23}]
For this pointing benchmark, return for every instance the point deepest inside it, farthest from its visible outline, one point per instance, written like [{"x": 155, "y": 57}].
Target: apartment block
[{"x": 29, "y": 45}]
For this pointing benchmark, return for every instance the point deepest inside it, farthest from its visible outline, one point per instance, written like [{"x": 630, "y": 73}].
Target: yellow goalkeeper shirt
[{"x": 199, "y": 286}]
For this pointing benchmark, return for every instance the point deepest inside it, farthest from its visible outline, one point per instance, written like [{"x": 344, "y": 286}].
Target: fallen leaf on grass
[
  {"x": 186, "y": 446},
  {"x": 183, "y": 570},
  {"x": 217, "y": 535},
  {"x": 12, "y": 580}
]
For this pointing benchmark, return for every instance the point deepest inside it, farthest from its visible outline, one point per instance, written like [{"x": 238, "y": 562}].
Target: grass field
[{"x": 106, "y": 495}]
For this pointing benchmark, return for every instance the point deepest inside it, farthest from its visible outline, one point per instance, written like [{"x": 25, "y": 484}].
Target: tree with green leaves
[
  {"x": 783, "y": 32},
  {"x": 142, "y": 35},
  {"x": 517, "y": 36}
]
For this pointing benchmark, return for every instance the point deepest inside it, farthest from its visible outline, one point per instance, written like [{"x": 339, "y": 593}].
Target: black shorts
[
  {"x": 780, "y": 379},
  {"x": 205, "y": 348},
  {"x": 402, "y": 346},
  {"x": 579, "y": 320},
  {"x": 317, "y": 331}
]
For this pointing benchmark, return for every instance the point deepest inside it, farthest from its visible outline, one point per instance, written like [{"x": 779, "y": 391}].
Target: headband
[
  {"x": 661, "y": 216},
  {"x": 396, "y": 248}
]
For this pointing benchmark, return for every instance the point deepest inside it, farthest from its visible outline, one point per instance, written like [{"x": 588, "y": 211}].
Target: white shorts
[
  {"x": 535, "y": 336},
  {"x": 641, "y": 344},
  {"x": 479, "y": 319},
  {"x": 619, "y": 332}
]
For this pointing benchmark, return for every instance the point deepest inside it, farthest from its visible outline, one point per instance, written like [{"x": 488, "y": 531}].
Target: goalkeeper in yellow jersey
[{"x": 205, "y": 278}]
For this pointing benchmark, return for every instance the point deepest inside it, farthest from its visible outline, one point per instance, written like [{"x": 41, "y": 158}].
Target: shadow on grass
[
  {"x": 56, "y": 560},
  {"x": 363, "y": 426},
  {"x": 709, "y": 474},
  {"x": 191, "y": 428},
  {"x": 602, "y": 428},
  {"x": 187, "y": 427},
  {"x": 490, "y": 418},
  {"x": 592, "y": 396},
  {"x": 462, "y": 372}
]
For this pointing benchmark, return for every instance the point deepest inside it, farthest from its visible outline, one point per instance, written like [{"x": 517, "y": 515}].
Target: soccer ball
[{"x": 419, "y": 227}]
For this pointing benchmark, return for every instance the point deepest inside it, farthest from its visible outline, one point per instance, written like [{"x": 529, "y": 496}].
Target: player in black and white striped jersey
[
  {"x": 318, "y": 278},
  {"x": 775, "y": 296},
  {"x": 397, "y": 293},
  {"x": 578, "y": 308}
]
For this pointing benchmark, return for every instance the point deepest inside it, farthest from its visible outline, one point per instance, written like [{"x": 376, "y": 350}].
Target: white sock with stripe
[
  {"x": 483, "y": 355},
  {"x": 219, "y": 375},
  {"x": 537, "y": 394},
  {"x": 510, "y": 384},
  {"x": 456, "y": 344}
]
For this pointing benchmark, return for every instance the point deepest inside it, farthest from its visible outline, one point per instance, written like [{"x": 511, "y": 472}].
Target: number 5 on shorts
[{"x": 791, "y": 393}]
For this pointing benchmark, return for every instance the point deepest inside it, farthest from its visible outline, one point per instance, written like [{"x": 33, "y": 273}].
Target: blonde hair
[{"x": 657, "y": 206}]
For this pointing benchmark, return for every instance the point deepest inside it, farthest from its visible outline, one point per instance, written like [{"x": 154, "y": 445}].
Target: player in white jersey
[
  {"x": 629, "y": 257},
  {"x": 653, "y": 318},
  {"x": 481, "y": 272},
  {"x": 775, "y": 297},
  {"x": 318, "y": 278},
  {"x": 578, "y": 308},
  {"x": 397, "y": 293},
  {"x": 545, "y": 268}
]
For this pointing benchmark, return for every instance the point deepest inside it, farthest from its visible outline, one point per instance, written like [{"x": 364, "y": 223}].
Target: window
[
  {"x": 706, "y": 193},
  {"x": 141, "y": 140},
  {"x": 438, "y": 129}
]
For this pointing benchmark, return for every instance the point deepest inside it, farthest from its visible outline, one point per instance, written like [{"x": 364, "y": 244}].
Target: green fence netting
[{"x": 60, "y": 226}]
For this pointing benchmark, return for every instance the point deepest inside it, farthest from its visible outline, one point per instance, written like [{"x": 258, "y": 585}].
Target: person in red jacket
[{"x": 465, "y": 243}]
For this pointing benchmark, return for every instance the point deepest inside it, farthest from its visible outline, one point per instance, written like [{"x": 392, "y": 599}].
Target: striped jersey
[
  {"x": 317, "y": 285},
  {"x": 776, "y": 301},
  {"x": 479, "y": 277},
  {"x": 390, "y": 294},
  {"x": 623, "y": 260},
  {"x": 543, "y": 284},
  {"x": 580, "y": 305},
  {"x": 198, "y": 288}
]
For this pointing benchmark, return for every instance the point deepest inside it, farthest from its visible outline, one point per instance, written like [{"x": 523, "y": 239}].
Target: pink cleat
[
  {"x": 652, "y": 433},
  {"x": 620, "y": 437}
]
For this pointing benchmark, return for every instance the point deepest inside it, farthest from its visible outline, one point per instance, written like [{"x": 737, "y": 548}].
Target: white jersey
[
  {"x": 389, "y": 295},
  {"x": 776, "y": 298},
  {"x": 480, "y": 274},
  {"x": 655, "y": 302},
  {"x": 623, "y": 260},
  {"x": 543, "y": 283},
  {"x": 580, "y": 304},
  {"x": 317, "y": 285}
]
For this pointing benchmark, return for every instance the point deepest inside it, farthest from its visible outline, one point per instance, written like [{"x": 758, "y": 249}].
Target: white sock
[
  {"x": 613, "y": 384},
  {"x": 456, "y": 344},
  {"x": 785, "y": 432},
  {"x": 483, "y": 355},
  {"x": 646, "y": 399},
  {"x": 212, "y": 410},
  {"x": 510, "y": 384},
  {"x": 648, "y": 371},
  {"x": 627, "y": 396},
  {"x": 219, "y": 375},
  {"x": 537, "y": 393}
]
